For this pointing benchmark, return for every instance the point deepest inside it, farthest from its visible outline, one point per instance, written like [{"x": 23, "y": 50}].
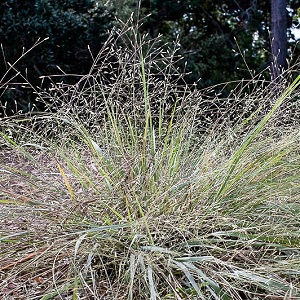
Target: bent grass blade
[{"x": 249, "y": 138}]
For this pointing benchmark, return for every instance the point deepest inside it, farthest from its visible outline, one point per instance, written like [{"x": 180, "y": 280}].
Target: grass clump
[{"x": 131, "y": 189}]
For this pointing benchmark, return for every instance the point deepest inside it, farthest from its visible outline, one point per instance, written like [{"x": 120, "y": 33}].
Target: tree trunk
[{"x": 279, "y": 37}]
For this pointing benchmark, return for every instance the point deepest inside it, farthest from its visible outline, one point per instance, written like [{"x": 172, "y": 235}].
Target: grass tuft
[{"x": 132, "y": 186}]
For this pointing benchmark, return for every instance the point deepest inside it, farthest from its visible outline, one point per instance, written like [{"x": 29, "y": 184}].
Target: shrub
[{"x": 68, "y": 27}]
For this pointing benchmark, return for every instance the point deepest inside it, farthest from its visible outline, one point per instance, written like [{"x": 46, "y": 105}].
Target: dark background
[{"x": 215, "y": 38}]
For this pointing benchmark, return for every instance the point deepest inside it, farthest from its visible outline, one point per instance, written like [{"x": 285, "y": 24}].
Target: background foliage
[
  {"x": 70, "y": 26},
  {"x": 218, "y": 37},
  {"x": 220, "y": 40}
]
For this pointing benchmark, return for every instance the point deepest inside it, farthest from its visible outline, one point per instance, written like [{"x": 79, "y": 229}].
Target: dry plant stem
[{"x": 24, "y": 259}]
